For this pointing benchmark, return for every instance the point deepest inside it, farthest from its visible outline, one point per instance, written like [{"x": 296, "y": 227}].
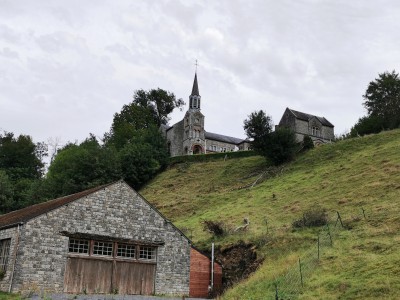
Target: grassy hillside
[{"x": 349, "y": 177}]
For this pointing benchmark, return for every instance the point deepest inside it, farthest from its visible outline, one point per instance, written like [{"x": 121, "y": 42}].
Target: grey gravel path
[{"x": 104, "y": 297}]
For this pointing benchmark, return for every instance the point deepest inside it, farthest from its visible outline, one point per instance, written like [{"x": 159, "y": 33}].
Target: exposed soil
[{"x": 238, "y": 262}]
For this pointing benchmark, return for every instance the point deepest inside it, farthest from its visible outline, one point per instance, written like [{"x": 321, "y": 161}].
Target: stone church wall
[
  {"x": 116, "y": 211},
  {"x": 175, "y": 139},
  {"x": 220, "y": 146}
]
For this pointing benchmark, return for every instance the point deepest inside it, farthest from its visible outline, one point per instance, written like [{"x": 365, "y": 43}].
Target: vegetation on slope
[{"x": 348, "y": 176}]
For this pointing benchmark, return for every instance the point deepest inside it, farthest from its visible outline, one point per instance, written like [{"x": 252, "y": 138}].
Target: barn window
[
  {"x": 103, "y": 248},
  {"x": 126, "y": 250},
  {"x": 4, "y": 253},
  {"x": 147, "y": 253},
  {"x": 78, "y": 246}
]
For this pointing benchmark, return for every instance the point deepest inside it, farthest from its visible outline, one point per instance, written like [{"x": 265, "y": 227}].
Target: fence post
[
  {"x": 339, "y": 219},
  {"x": 363, "y": 212},
  {"x": 301, "y": 274},
  {"x": 329, "y": 233},
  {"x": 276, "y": 292},
  {"x": 318, "y": 246}
]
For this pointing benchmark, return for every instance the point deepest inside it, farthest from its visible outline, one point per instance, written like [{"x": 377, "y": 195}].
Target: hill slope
[{"x": 348, "y": 177}]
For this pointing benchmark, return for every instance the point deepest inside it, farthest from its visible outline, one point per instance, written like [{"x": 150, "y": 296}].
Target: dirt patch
[{"x": 238, "y": 262}]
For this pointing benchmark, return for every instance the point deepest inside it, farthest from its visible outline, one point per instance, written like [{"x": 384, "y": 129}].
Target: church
[{"x": 188, "y": 136}]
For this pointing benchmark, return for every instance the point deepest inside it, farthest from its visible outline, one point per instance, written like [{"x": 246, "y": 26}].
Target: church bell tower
[{"x": 194, "y": 139}]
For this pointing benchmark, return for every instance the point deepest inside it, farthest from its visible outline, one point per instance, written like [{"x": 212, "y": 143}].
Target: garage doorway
[{"x": 103, "y": 267}]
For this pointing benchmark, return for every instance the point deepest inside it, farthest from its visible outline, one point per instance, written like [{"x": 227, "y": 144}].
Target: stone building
[
  {"x": 188, "y": 136},
  {"x": 107, "y": 239},
  {"x": 319, "y": 129}
]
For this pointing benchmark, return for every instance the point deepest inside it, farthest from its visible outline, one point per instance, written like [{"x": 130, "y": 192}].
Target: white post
[{"x": 212, "y": 266}]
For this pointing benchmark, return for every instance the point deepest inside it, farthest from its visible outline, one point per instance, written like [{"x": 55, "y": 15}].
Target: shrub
[
  {"x": 214, "y": 227},
  {"x": 307, "y": 143},
  {"x": 313, "y": 217}
]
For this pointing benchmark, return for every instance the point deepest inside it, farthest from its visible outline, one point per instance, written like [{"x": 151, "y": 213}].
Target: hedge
[{"x": 210, "y": 157}]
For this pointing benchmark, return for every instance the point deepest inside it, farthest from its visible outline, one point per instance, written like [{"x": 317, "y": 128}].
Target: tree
[
  {"x": 281, "y": 146},
  {"x": 367, "y": 125},
  {"x": 79, "y": 167},
  {"x": 148, "y": 109},
  {"x": 382, "y": 99},
  {"x": 278, "y": 146},
  {"x": 257, "y": 127},
  {"x": 20, "y": 157}
]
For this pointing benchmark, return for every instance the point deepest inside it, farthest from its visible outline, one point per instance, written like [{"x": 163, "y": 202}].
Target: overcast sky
[{"x": 67, "y": 66}]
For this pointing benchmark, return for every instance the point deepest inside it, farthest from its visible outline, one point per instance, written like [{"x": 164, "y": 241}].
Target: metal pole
[
  {"x": 212, "y": 266},
  {"x": 301, "y": 274}
]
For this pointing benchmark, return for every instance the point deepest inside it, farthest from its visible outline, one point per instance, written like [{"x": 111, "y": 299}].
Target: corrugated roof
[
  {"x": 306, "y": 117},
  {"x": 30, "y": 212},
  {"x": 223, "y": 138}
]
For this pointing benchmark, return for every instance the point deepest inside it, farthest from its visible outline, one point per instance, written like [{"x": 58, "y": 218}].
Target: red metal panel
[{"x": 200, "y": 274}]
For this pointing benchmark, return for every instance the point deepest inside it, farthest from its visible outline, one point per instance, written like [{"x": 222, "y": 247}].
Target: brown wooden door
[
  {"x": 96, "y": 276},
  {"x": 134, "y": 278},
  {"x": 92, "y": 276}
]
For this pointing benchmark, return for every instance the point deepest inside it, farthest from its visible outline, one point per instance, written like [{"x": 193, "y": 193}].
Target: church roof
[
  {"x": 307, "y": 117},
  {"x": 195, "y": 89},
  {"x": 222, "y": 138}
]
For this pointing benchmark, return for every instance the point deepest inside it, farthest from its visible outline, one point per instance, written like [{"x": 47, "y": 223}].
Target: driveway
[{"x": 105, "y": 297}]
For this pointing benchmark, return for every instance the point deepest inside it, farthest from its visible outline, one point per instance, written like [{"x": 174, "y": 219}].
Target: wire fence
[{"x": 291, "y": 284}]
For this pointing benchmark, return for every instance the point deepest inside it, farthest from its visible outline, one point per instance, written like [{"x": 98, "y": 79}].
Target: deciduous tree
[{"x": 382, "y": 99}]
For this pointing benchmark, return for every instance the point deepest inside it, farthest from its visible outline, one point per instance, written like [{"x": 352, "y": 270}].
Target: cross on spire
[{"x": 196, "y": 64}]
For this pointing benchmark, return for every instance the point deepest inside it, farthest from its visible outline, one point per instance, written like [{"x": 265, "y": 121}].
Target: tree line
[{"x": 134, "y": 150}]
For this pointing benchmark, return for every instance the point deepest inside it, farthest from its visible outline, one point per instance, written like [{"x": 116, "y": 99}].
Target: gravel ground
[{"x": 105, "y": 297}]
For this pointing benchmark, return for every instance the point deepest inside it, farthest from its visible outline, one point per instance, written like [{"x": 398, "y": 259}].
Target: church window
[
  {"x": 214, "y": 148},
  {"x": 186, "y": 150},
  {"x": 224, "y": 149}
]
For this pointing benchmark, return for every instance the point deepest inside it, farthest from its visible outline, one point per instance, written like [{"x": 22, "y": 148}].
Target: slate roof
[
  {"x": 307, "y": 117},
  {"x": 222, "y": 138},
  {"x": 25, "y": 214},
  {"x": 195, "y": 89}
]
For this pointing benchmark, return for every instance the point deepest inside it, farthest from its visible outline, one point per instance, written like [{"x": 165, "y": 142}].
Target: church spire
[
  {"x": 195, "y": 89},
  {"x": 194, "y": 98}
]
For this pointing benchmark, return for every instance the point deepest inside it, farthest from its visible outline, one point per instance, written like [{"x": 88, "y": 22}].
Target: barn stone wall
[
  {"x": 116, "y": 211},
  {"x": 10, "y": 233}
]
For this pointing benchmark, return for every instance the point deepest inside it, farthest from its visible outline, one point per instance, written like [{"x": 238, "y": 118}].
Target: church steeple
[
  {"x": 195, "y": 89},
  {"x": 194, "y": 98}
]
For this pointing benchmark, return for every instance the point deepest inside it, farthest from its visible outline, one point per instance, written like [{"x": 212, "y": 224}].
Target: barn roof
[
  {"x": 307, "y": 117},
  {"x": 223, "y": 138},
  {"x": 25, "y": 214}
]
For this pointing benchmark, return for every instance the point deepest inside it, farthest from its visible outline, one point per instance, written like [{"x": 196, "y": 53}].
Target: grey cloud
[{"x": 8, "y": 53}]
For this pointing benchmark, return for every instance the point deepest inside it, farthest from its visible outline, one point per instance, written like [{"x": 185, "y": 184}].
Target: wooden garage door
[
  {"x": 91, "y": 276},
  {"x": 109, "y": 267},
  {"x": 96, "y": 276},
  {"x": 134, "y": 278}
]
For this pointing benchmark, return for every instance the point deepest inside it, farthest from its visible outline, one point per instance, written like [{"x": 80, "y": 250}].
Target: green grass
[
  {"x": 8, "y": 296},
  {"x": 348, "y": 176}
]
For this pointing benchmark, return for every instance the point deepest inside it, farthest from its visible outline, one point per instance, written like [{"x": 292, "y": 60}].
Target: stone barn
[
  {"x": 319, "y": 129},
  {"x": 108, "y": 239}
]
